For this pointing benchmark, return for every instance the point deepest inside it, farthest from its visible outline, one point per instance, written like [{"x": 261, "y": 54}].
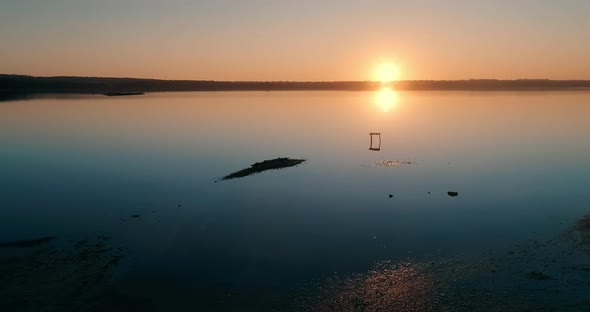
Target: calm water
[{"x": 79, "y": 167}]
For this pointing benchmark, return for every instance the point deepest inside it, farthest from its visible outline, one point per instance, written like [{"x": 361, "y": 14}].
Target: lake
[{"x": 144, "y": 173}]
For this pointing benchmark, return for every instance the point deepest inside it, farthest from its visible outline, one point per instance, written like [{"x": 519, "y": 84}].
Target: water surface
[{"x": 80, "y": 167}]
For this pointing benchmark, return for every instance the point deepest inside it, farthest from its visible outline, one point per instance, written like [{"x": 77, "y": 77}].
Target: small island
[
  {"x": 277, "y": 163},
  {"x": 123, "y": 93}
]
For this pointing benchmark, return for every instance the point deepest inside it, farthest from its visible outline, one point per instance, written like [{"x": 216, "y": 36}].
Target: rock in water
[{"x": 277, "y": 163}]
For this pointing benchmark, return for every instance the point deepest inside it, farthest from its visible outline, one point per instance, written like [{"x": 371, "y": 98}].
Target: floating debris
[
  {"x": 390, "y": 164},
  {"x": 277, "y": 163},
  {"x": 452, "y": 194},
  {"x": 27, "y": 243}
]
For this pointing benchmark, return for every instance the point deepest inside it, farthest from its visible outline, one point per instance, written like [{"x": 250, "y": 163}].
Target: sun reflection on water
[{"x": 386, "y": 99}]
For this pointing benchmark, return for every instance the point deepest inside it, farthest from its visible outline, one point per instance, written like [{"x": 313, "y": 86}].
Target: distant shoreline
[{"x": 20, "y": 85}]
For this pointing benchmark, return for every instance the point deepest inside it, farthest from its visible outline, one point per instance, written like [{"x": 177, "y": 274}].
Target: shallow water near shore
[{"x": 143, "y": 171}]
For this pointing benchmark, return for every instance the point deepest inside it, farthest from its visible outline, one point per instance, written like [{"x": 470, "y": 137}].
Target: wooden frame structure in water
[{"x": 378, "y": 147}]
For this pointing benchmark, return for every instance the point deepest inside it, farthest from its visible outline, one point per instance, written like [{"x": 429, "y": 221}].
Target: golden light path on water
[{"x": 386, "y": 99}]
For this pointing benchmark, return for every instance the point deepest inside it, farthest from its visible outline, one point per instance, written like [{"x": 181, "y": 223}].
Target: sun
[{"x": 387, "y": 72}]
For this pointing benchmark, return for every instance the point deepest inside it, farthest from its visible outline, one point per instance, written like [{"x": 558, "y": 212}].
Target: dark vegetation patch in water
[
  {"x": 277, "y": 163},
  {"x": 27, "y": 243},
  {"x": 580, "y": 233},
  {"x": 583, "y": 225},
  {"x": 52, "y": 278}
]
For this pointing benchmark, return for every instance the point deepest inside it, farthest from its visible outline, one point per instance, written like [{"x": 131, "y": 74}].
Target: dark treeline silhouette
[{"x": 20, "y": 86}]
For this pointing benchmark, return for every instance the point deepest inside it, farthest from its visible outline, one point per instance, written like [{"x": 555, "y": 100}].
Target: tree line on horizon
[{"x": 20, "y": 84}]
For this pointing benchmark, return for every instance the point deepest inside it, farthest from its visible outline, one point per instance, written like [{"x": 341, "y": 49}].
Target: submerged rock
[
  {"x": 277, "y": 163},
  {"x": 538, "y": 276}
]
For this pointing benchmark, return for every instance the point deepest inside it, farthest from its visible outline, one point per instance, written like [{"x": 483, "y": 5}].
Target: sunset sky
[{"x": 296, "y": 40}]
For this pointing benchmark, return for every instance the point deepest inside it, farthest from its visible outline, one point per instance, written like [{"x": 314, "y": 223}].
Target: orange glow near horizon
[{"x": 287, "y": 41}]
